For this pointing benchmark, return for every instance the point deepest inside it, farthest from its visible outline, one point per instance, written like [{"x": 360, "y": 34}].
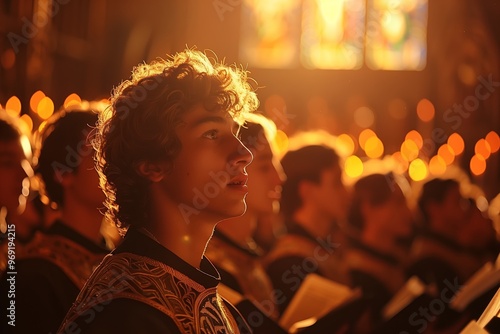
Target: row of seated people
[{"x": 365, "y": 237}]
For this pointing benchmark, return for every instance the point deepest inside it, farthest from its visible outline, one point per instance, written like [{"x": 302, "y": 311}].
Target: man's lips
[{"x": 240, "y": 180}]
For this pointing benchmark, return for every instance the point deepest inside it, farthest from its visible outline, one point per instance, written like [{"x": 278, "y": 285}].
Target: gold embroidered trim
[
  {"x": 193, "y": 308},
  {"x": 75, "y": 261}
]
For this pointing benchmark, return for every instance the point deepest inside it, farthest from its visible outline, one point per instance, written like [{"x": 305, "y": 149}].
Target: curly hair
[{"x": 144, "y": 112}]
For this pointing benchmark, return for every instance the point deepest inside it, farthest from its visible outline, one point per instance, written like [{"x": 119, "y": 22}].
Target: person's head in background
[
  {"x": 69, "y": 181},
  {"x": 379, "y": 214},
  {"x": 265, "y": 175},
  {"x": 313, "y": 194},
  {"x": 478, "y": 235},
  {"x": 15, "y": 151},
  {"x": 442, "y": 207}
]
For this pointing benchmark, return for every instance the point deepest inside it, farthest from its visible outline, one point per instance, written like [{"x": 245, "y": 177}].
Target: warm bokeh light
[
  {"x": 345, "y": 144},
  {"x": 13, "y": 106},
  {"x": 494, "y": 140},
  {"x": 27, "y": 123},
  {"x": 364, "y": 117},
  {"x": 42, "y": 126},
  {"x": 446, "y": 152},
  {"x": 35, "y": 100},
  {"x": 437, "y": 165},
  {"x": 477, "y": 165},
  {"x": 457, "y": 143},
  {"x": 425, "y": 110},
  {"x": 281, "y": 140},
  {"x": 418, "y": 170},
  {"x": 72, "y": 99},
  {"x": 482, "y": 148},
  {"x": 416, "y": 137},
  {"x": 353, "y": 166},
  {"x": 45, "y": 108},
  {"x": 402, "y": 163},
  {"x": 364, "y": 136},
  {"x": 374, "y": 148},
  {"x": 409, "y": 150}
]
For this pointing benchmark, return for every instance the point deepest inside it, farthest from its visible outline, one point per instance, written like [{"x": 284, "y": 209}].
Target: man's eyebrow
[{"x": 208, "y": 119}]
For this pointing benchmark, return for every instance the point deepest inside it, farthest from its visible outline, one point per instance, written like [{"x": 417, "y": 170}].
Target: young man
[
  {"x": 232, "y": 249},
  {"x": 53, "y": 267},
  {"x": 437, "y": 254},
  {"x": 314, "y": 200},
  {"x": 381, "y": 224},
  {"x": 172, "y": 167}
]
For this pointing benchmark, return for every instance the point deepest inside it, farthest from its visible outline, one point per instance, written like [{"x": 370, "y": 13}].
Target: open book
[
  {"x": 489, "y": 317},
  {"x": 316, "y": 297},
  {"x": 485, "y": 279},
  {"x": 412, "y": 289}
]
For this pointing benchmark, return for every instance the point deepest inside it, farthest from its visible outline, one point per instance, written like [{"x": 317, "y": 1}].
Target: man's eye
[{"x": 212, "y": 134}]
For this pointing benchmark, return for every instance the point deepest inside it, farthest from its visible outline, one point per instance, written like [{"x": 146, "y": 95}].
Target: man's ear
[{"x": 153, "y": 171}]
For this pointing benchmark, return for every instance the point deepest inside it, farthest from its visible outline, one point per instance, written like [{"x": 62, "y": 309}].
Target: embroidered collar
[{"x": 139, "y": 243}]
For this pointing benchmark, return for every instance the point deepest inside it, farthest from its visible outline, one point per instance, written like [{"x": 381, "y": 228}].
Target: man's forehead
[{"x": 199, "y": 114}]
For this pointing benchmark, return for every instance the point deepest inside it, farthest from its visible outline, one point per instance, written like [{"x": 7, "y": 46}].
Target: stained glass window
[
  {"x": 396, "y": 34},
  {"x": 270, "y": 33},
  {"x": 332, "y": 34}
]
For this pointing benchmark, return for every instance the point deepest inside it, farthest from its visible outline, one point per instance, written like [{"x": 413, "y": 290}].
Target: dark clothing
[
  {"x": 282, "y": 259},
  {"x": 379, "y": 275},
  {"x": 241, "y": 270},
  {"x": 49, "y": 273},
  {"x": 298, "y": 254},
  {"x": 142, "y": 287}
]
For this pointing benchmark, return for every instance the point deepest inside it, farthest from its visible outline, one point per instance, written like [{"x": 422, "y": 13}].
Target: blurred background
[{"x": 414, "y": 80}]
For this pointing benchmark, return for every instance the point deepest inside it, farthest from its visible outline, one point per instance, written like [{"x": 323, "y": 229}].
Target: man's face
[
  {"x": 208, "y": 176},
  {"x": 265, "y": 176},
  {"x": 454, "y": 208},
  {"x": 393, "y": 217},
  {"x": 85, "y": 183},
  {"x": 331, "y": 195},
  {"x": 11, "y": 174}
]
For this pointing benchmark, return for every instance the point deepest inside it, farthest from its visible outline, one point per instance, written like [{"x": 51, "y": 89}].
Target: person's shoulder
[
  {"x": 39, "y": 270},
  {"x": 124, "y": 316}
]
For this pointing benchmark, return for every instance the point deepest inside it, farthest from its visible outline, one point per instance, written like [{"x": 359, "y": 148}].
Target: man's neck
[
  {"x": 239, "y": 229},
  {"x": 188, "y": 241},
  {"x": 315, "y": 223}
]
